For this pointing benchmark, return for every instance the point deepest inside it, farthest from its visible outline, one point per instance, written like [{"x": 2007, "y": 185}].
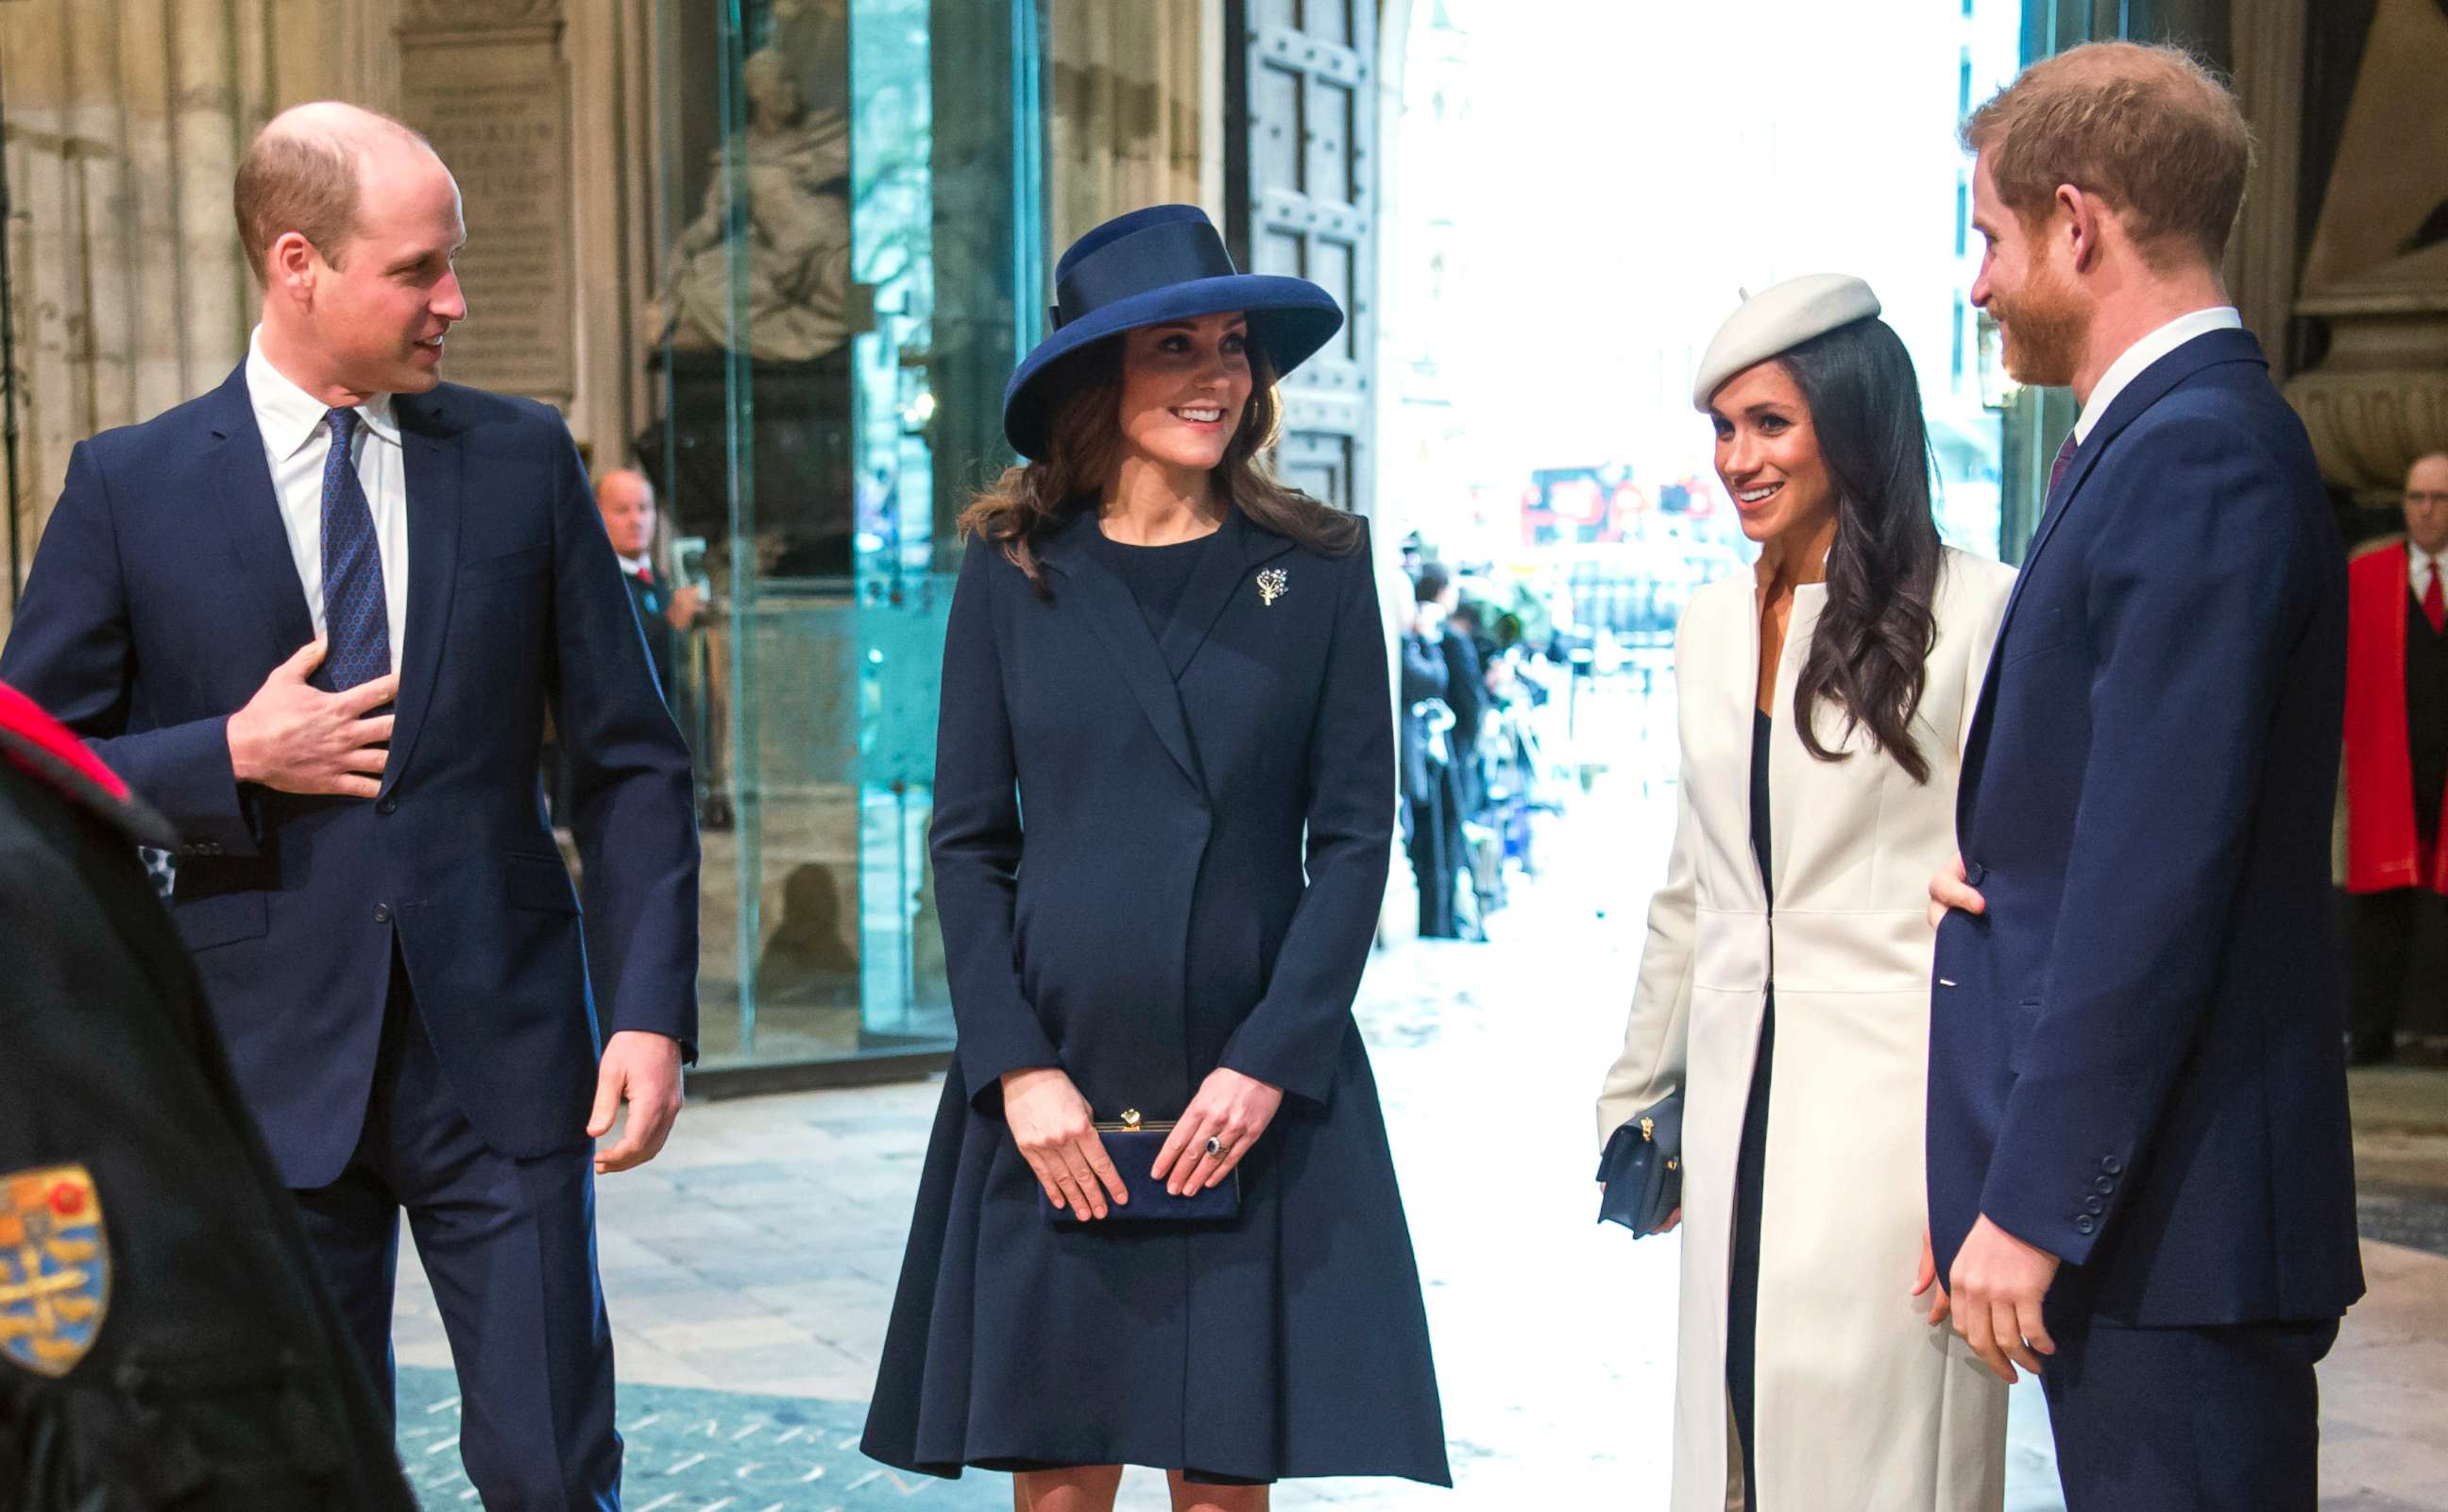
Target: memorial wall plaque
[{"x": 487, "y": 87}]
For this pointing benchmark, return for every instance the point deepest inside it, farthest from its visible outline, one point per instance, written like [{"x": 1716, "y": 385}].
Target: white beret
[{"x": 1778, "y": 320}]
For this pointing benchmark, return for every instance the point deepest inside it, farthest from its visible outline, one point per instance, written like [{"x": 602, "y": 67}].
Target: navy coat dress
[{"x": 1209, "y": 818}]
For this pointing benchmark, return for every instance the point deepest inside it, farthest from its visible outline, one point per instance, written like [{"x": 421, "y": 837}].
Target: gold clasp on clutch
[
  {"x": 1649, "y": 1129},
  {"x": 1130, "y": 1118}
]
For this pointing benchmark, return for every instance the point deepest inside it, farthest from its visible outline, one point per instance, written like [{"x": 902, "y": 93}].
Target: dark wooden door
[{"x": 1301, "y": 199}]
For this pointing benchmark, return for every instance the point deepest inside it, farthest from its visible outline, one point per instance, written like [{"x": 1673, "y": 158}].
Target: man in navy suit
[
  {"x": 316, "y": 618},
  {"x": 2140, "y": 1179}
]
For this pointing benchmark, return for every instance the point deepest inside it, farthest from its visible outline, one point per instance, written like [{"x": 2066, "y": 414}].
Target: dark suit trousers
[
  {"x": 510, "y": 1248},
  {"x": 2187, "y": 1420},
  {"x": 2383, "y": 929}
]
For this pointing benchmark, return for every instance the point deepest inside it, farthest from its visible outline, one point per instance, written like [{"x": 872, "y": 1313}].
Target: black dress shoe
[{"x": 2364, "y": 1047}]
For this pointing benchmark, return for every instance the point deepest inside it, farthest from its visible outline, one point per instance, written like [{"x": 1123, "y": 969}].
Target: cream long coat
[{"x": 1861, "y": 1406}]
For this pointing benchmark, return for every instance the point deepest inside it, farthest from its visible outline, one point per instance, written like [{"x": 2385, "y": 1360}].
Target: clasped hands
[{"x": 1055, "y": 1132}]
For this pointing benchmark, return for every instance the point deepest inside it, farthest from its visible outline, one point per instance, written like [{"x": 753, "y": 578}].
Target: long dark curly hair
[
  {"x": 1084, "y": 447},
  {"x": 1868, "y": 656}
]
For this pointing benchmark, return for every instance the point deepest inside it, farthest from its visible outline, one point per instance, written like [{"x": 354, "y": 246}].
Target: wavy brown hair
[
  {"x": 1869, "y": 655},
  {"x": 1084, "y": 450}
]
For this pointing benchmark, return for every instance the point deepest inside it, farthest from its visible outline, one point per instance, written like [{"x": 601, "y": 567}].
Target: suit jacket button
[
  {"x": 2112, "y": 1165},
  {"x": 2086, "y": 1224},
  {"x": 1975, "y": 873},
  {"x": 382, "y": 913}
]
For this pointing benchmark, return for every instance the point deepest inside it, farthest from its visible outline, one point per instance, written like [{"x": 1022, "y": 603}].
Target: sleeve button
[
  {"x": 2086, "y": 1224},
  {"x": 2112, "y": 1165}
]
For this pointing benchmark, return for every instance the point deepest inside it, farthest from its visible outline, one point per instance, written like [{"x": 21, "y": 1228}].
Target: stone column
[
  {"x": 126, "y": 118},
  {"x": 612, "y": 160},
  {"x": 1125, "y": 87},
  {"x": 2268, "y": 40}
]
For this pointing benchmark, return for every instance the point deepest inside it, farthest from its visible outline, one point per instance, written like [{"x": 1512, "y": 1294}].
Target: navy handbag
[
  {"x": 1643, "y": 1168},
  {"x": 1133, "y": 1147}
]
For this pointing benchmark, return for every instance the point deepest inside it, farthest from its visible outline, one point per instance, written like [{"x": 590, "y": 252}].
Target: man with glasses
[{"x": 2397, "y": 753}]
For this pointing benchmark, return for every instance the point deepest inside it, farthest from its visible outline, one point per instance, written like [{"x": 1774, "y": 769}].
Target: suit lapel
[
  {"x": 2149, "y": 387},
  {"x": 1226, "y": 567},
  {"x": 251, "y": 516},
  {"x": 2052, "y": 510},
  {"x": 431, "y": 453},
  {"x": 1106, "y": 601}
]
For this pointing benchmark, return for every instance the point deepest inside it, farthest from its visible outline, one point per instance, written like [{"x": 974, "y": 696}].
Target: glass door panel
[{"x": 834, "y": 281}]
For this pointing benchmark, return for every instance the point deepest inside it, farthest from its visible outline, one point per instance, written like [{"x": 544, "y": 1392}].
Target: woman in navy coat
[{"x": 1174, "y": 667}]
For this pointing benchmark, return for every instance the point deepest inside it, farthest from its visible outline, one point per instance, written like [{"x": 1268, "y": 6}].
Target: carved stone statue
[{"x": 798, "y": 268}]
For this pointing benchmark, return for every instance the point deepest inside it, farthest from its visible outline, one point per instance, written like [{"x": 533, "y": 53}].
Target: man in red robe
[{"x": 2396, "y": 751}]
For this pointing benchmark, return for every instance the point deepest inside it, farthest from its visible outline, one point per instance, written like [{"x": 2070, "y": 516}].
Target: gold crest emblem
[
  {"x": 54, "y": 1267},
  {"x": 1272, "y": 585}
]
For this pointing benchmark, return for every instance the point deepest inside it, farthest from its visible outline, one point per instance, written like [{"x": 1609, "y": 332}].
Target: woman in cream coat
[{"x": 1791, "y": 1008}]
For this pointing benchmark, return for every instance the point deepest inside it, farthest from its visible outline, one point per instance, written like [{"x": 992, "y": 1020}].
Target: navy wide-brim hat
[{"x": 1165, "y": 262}]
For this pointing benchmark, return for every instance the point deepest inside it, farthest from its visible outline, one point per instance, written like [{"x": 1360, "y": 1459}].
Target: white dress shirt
[
  {"x": 2421, "y": 567},
  {"x": 297, "y": 442},
  {"x": 2149, "y": 350}
]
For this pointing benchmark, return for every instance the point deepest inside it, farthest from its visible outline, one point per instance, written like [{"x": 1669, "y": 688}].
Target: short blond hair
[
  {"x": 301, "y": 174},
  {"x": 2148, "y": 129}
]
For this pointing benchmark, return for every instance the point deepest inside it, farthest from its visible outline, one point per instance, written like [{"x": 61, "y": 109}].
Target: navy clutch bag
[
  {"x": 1643, "y": 1169},
  {"x": 1133, "y": 1147}
]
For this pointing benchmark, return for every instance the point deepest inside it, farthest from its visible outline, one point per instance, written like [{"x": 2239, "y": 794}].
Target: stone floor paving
[{"x": 750, "y": 1268}]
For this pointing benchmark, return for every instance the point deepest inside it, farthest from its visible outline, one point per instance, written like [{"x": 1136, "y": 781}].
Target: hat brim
[{"x": 1289, "y": 318}]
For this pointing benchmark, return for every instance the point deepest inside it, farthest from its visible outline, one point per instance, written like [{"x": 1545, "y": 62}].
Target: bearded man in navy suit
[
  {"x": 316, "y": 618},
  {"x": 2141, "y": 1177}
]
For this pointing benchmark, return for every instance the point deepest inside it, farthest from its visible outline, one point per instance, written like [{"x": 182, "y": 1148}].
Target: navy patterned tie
[{"x": 356, "y": 617}]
